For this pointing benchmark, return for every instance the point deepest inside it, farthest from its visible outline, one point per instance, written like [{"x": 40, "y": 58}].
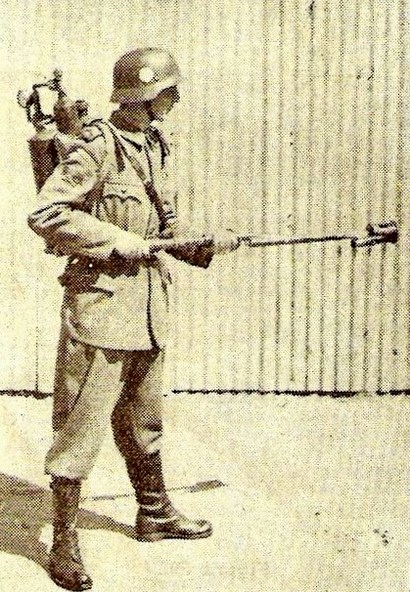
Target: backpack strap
[{"x": 114, "y": 157}]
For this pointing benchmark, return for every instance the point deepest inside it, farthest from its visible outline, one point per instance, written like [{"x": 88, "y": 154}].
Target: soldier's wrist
[{"x": 131, "y": 245}]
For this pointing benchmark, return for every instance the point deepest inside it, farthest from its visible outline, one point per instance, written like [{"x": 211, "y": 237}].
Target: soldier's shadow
[{"x": 25, "y": 509}]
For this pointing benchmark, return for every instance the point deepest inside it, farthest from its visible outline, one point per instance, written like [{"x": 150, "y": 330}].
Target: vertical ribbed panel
[
  {"x": 221, "y": 117},
  {"x": 292, "y": 120},
  {"x": 323, "y": 155}
]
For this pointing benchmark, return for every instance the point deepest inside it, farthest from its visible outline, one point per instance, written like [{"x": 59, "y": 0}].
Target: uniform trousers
[{"x": 93, "y": 386}]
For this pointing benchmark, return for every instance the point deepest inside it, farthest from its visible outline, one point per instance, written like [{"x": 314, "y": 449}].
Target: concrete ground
[{"x": 306, "y": 494}]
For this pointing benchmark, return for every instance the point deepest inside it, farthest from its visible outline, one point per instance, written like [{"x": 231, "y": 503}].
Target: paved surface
[{"x": 315, "y": 498}]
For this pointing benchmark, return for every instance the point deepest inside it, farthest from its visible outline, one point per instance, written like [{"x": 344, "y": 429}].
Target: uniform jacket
[{"x": 88, "y": 206}]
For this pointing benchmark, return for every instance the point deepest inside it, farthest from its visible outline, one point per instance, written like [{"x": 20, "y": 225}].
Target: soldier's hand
[
  {"x": 175, "y": 229},
  {"x": 132, "y": 247},
  {"x": 168, "y": 232},
  {"x": 225, "y": 242}
]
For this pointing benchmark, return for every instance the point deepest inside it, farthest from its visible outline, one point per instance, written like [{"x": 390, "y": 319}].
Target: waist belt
[{"x": 82, "y": 272}]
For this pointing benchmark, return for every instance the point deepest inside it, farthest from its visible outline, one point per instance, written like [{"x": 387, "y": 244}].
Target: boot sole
[
  {"x": 161, "y": 535},
  {"x": 62, "y": 584}
]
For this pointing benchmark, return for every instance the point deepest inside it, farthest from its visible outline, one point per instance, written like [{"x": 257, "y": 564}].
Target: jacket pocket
[
  {"x": 123, "y": 191},
  {"x": 125, "y": 206}
]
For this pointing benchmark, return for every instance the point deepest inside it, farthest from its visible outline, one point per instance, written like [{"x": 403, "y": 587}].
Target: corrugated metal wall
[
  {"x": 304, "y": 102},
  {"x": 292, "y": 121}
]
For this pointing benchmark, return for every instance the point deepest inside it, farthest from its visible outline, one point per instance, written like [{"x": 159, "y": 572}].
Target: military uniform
[
  {"x": 86, "y": 206},
  {"x": 110, "y": 194}
]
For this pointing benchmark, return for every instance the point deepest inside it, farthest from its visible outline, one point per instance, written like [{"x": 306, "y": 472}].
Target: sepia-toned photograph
[{"x": 205, "y": 296}]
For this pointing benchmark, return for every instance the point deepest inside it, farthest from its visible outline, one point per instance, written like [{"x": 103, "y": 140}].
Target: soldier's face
[{"x": 163, "y": 103}]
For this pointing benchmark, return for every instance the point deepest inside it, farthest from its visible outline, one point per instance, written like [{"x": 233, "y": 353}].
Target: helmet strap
[{"x": 150, "y": 112}]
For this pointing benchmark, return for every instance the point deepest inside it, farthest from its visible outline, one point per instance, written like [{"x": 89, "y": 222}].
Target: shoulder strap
[{"x": 114, "y": 157}]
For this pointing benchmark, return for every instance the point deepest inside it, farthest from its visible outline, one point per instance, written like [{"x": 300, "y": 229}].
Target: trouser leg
[
  {"x": 88, "y": 384},
  {"x": 137, "y": 417},
  {"x": 137, "y": 426}
]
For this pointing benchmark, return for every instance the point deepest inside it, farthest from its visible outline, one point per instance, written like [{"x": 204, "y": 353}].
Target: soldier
[{"x": 101, "y": 207}]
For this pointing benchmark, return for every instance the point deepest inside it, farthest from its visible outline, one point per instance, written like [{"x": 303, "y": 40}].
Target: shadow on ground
[{"x": 25, "y": 509}]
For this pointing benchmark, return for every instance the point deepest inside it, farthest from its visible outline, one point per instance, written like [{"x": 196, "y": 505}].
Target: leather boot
[
  {"x": 157, "y": 518},
  {"x": 66, "y": 567}
]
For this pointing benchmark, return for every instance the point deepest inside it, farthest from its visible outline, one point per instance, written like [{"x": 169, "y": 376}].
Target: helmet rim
[{"x": 134, "y": 94}]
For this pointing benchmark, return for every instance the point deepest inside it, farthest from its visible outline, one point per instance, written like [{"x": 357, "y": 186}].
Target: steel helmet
[{"x": 140, "y": 75}]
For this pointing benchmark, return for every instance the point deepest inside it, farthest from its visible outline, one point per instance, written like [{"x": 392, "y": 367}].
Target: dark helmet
[{"x": 142, "y": 74}]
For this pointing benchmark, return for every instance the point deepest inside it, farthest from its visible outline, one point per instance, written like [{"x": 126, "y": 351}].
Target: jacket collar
[
  {"x": 126, "y": 129},
  {"x": 137, "y": 138}
]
